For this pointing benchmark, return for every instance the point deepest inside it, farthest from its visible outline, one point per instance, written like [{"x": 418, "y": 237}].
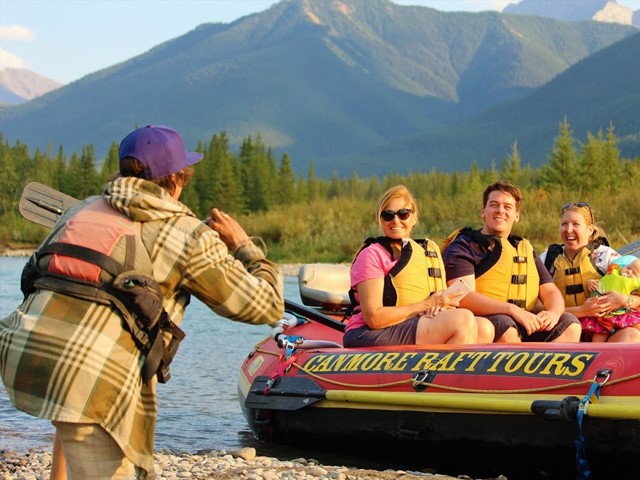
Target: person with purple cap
[{"x": 104, "y": 296}]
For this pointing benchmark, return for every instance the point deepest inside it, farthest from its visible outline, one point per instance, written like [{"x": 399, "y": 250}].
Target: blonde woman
[
  {"x": 584, "y": 255},
  {"x": 397, "y": 284}
]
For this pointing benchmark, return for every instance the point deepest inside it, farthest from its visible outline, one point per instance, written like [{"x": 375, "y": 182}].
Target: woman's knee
[
  {"x": 486, "y": 330},
  {"x": 627, "y": 334},
  {"x": 465, "y": 326}
]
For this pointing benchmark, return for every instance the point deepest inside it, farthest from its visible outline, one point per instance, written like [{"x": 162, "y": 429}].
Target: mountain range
[
  {"x": 353, "y": 85},
  {"x": 598, "y": 10},
  {"x": 18, "y": 85}
]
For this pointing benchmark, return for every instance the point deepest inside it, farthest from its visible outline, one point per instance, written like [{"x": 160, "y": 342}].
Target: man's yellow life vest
[{"x": 513, "y": 277}]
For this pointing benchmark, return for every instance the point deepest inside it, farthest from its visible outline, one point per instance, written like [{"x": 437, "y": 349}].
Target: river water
[{"x": 198, "y": 408}]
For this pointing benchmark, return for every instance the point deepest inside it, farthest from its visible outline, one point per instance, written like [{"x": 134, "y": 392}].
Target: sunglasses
[
  {"x": 403, "y": 214},
  {"x": 579, "y": 205}
]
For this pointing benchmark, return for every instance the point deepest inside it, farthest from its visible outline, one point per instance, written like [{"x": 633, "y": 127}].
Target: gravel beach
[{"x": 218, "y": 464}]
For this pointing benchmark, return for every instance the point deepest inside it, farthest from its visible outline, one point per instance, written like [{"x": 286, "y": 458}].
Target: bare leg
[
  {"x": 511, "y": 335},
  {"x": 486, "y": 330},
  {"x": 58, "y": 465},
  {"x": 457, "y": 326},
  {"x": 599, "y": 337},
  {"x": 571, "y": 334},
  {"x": 627, "y": 334}
]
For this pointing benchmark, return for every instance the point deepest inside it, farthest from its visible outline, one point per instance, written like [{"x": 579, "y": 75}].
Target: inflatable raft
[{"x": 556, "y": 408}]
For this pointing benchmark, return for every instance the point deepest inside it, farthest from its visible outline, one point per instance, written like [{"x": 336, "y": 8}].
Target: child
[{"x": 623, "y": 275}]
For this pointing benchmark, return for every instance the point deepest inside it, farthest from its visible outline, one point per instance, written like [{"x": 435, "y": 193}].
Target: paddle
[{"x": 43, "y": 205}]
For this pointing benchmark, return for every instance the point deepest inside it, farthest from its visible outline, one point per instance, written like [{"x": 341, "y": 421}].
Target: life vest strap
[
  {"x": 434, "y": 272},
  {"x": 518, "y": 303},
  {"x": 83, "y": 253},
  {"x": 574, "y": 289},
  {"x": 149, "y": 339}
]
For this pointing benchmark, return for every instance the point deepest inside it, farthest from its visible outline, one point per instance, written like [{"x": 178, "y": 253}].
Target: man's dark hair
[{"x": 506, "y": 187}]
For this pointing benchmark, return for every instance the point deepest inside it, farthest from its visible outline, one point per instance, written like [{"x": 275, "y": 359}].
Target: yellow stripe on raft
[{"x": 476, "y": 404}]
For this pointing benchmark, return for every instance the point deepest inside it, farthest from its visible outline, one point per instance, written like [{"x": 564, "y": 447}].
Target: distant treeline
[{"x": 304, "y": 218}]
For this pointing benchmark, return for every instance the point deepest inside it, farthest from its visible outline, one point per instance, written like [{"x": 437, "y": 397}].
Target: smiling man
[{"x": 511, "y": 287}]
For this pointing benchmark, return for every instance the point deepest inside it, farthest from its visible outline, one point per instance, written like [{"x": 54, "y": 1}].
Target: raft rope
[{"x": 447, "y": 387}]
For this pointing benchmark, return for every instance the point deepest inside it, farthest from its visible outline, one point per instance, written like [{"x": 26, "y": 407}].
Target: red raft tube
[{"x": 549, "y": 407}]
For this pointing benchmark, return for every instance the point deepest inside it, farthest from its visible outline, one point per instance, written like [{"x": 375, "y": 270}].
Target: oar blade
[{"x": 43, "y": 205}]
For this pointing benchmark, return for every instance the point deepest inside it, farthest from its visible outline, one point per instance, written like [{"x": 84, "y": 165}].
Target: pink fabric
[
  {"x": 610, "y": 324},
  {"x": 372, "y": 262}
]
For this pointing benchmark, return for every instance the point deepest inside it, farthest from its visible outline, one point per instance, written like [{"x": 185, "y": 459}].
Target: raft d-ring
[
  {"x": 602, "y": 377},
  {"x": 422, "y": 380},
  {"x": 606, "y": 373}
]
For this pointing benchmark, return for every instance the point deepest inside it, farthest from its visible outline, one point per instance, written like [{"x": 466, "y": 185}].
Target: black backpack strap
[
  {"x": 135, "y": 295},
  {"x": 489, "y": 244},
  {"x": 83, "y": 253},
  {"x": 386, "y": 243},
  {"x": 553, "y": 251}
]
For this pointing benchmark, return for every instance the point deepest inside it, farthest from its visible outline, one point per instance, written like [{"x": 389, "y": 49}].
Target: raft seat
[{"x": 325, "y": 285}]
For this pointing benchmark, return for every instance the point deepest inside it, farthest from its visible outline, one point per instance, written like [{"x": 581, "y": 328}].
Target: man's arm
[
  {"x": 460, "y": 260},
  {"x": 480, "y": 304}
]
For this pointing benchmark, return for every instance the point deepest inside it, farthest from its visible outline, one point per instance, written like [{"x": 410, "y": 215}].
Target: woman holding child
[{"x": 580, "y": 261}]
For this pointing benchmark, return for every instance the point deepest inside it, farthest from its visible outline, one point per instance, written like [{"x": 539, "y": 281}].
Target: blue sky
[{"x": 67, "y": 39}]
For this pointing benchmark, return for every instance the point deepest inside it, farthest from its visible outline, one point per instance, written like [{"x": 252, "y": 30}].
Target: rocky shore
[{"x": 218, "y": 464}]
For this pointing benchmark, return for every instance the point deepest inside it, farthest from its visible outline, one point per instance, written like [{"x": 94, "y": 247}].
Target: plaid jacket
[{"x": 70, "y": 360}]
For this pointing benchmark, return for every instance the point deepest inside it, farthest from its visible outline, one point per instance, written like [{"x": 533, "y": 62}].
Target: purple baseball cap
[{"x": 159, "y": 148}]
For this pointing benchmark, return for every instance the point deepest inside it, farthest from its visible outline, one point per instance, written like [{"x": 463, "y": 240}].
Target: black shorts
[
  {"x": 402, "y": 334},
  {"x": 503, "y": 322}
]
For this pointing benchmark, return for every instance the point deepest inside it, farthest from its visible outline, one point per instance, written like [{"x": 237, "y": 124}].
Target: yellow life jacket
[
  {"x": 418, "y": 273},
  {"x": 571, "y": 276},
  {"x": 516, "y": 263}
]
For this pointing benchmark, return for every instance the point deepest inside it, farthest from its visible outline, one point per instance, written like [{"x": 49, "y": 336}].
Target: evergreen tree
[
  {"x": 40, "y": 168},
  {"x": 59, "y": 171},
  {"x": 286, "y": 194},
  {"x": 73, "y": 179},
  {"x": 302, "y": 189},
  {"x": 111, "y": 164},
  {"x": 9, "y": 181},
  {"x": 225, "y": 184},
  {"x": 313, "y": 184},
  {"x": 592, "y": 165},
  {"x": 89, "y": 179},
  {"x": 374, "y": 190},
  {"x": 560, "y": 172},
  {"x": 335, "y": 189},
  {"x": 510, "y": 169},
  {"x": 475, "y": 183},
  {"x": 611, "y": 162},
  {"x": 22, "y": 162},
  {"x": 258, "y": 170}
]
